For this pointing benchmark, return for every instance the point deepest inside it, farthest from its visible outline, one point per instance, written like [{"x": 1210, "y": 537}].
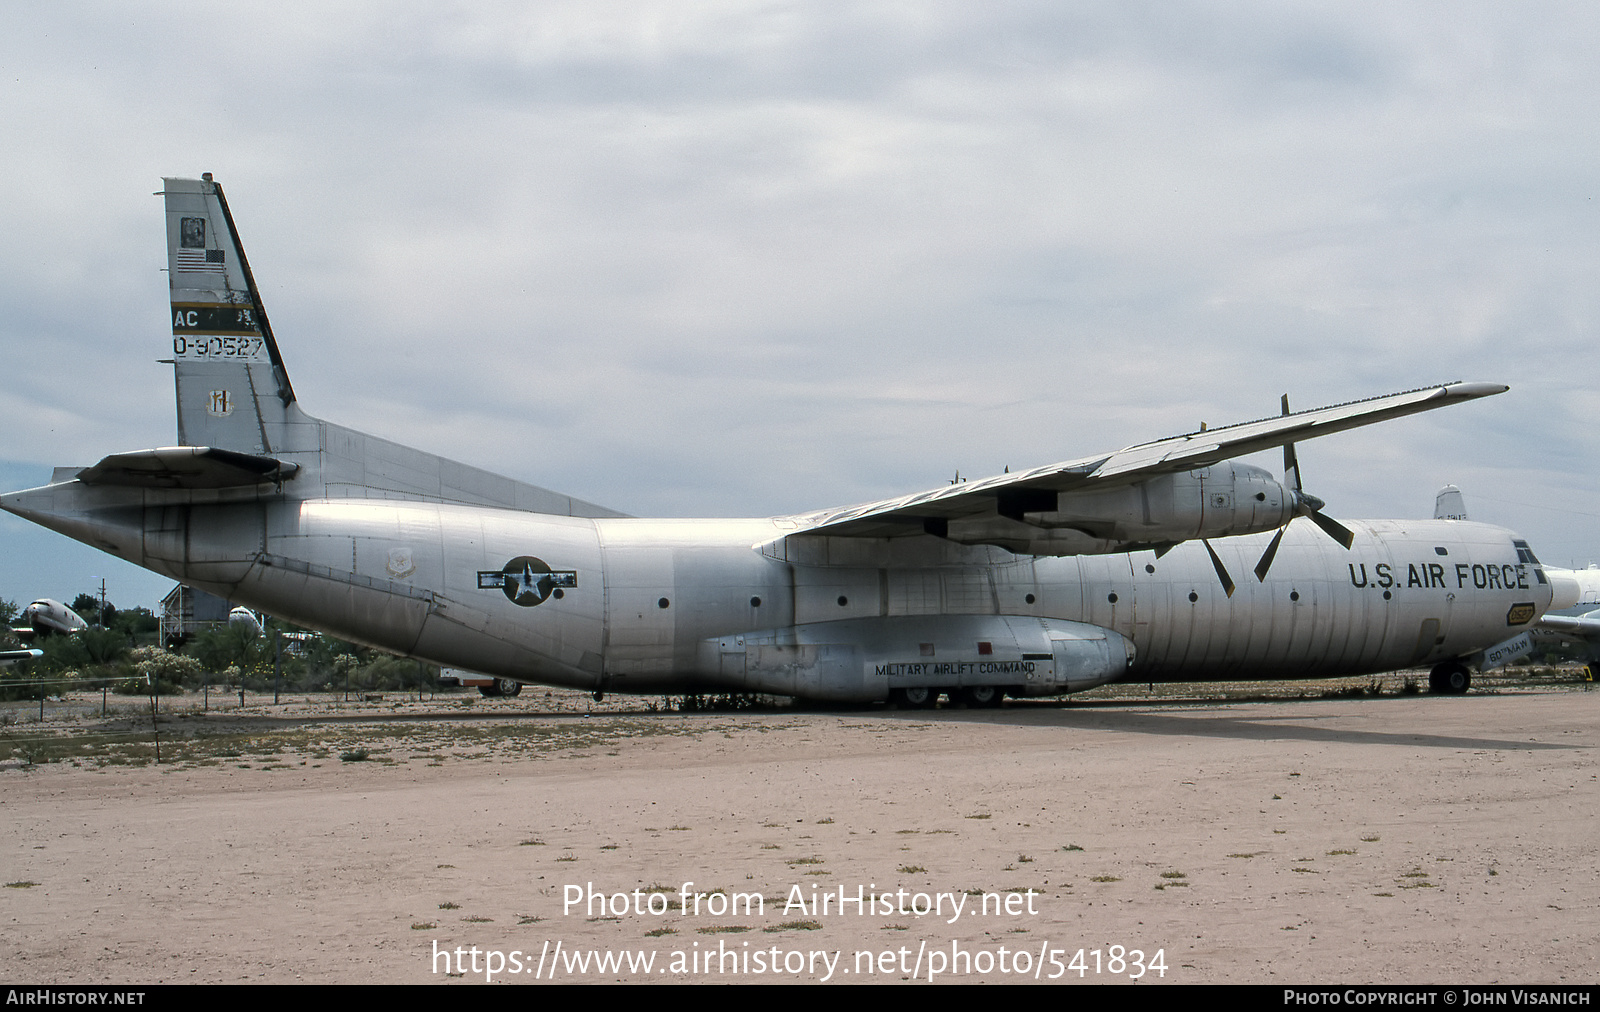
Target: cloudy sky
[{"x": 719, "y": 259}]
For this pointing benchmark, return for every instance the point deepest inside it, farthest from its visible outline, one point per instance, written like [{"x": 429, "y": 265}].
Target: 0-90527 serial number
[{"x": 219, "y": 346}]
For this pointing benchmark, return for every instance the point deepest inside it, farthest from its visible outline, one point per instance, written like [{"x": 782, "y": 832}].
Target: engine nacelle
[{"x": 1211, "y": 502}]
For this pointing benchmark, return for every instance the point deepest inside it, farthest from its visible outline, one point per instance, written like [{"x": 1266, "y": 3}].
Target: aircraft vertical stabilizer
[
  {"x": 233, "y": 391},
  {"x": 1449, "y": 505}
]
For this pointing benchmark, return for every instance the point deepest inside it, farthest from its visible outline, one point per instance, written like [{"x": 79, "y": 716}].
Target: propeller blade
[
  {"x": 1333, "y": 528},
  {"x": 1268, "y": 555},
  {"x": 1222, "y": 571},
  {"x": 1305, "y": 506},
  {"x": 1291, "y": 462}
]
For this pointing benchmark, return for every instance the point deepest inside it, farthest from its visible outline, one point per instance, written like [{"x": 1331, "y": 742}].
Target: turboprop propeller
[{"x": 1308, "y": 506}]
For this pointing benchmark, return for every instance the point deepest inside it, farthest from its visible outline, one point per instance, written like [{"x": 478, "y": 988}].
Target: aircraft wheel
[
  {"x": 508, "y": 687},
  {"x": 1451, "y": 679},
  {"x": 982, "y": 696},
  {"x": 919, "y": 698}
]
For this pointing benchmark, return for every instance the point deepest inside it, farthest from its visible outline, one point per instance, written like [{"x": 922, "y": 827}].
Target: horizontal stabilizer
[{"x": 187, "y": 467}]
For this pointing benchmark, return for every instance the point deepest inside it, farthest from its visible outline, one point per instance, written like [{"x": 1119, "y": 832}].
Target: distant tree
[
  {"x": 386, "y": 672},
  {"x": 104, "y": 646},
  {"x": 88, "y": 608},
  {"x": 231, "y": 646},
  {"x": 14, "y": 677},
  {"x": 62, "y": 653},
  {"x": 135, "y": 622}
]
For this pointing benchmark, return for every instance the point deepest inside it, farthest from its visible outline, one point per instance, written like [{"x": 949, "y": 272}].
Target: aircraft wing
[
  {"x": 1036, "y": 488},
  {"x": 28, "y": 654},
  {"x": 1582, "y": 626}
]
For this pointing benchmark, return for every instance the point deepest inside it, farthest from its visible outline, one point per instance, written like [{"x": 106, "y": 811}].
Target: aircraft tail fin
[
  {"x": 233, "y": 390},
  {"x": 1449, "y": 505}
]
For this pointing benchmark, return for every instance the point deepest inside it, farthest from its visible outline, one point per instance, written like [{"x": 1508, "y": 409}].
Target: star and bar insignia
[{"x": 527, "y": 581}]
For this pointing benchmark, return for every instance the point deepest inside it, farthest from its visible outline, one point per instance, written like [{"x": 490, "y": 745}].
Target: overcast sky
[{"x": 726, "y": 259}]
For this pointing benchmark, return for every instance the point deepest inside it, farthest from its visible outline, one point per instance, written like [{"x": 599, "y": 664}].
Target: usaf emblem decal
[{"x": 527, "y": 581}]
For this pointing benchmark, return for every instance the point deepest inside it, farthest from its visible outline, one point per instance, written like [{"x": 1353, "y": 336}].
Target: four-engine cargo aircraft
[{"x": 1166, "y": 560}]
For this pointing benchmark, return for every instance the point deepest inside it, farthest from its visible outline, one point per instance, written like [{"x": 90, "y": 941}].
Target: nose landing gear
[{"x": 1450, "y": 679}]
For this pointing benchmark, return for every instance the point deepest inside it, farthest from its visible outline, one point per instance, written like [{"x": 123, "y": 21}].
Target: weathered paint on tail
[{"x": 233, "y": 391}]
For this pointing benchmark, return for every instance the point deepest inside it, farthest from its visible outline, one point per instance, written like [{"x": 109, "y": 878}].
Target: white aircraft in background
[
  {"x": 1163, "y": 561},
  {"x": 46, "y": 617},
  {"x": 1582, "y": 626},
  {"x": 1576, "y": 592},
  {"x": 243, "y": 618}
]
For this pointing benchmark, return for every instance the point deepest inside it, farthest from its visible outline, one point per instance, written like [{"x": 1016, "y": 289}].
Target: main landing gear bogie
[
  {"x": 1450, "y": 679},
  {"x": 918, "y": 698},
  {"x": 977, "y": 697},
  {"x": 982, "y": 697}
]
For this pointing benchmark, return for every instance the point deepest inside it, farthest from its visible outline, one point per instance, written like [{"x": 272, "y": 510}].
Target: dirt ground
[{"x": 1399, "y": 839}]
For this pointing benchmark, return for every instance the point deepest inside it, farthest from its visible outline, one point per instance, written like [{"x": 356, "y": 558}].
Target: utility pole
[{"x": 101, "y": 621}]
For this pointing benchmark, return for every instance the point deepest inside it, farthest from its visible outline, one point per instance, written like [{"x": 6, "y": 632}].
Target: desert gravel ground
[{"x": 1402, "y": 839}]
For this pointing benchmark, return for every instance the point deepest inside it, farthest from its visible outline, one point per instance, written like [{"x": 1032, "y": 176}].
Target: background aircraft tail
[{"x": 1449, "y": 504}]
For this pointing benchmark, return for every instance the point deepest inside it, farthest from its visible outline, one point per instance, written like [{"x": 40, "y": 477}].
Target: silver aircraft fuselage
[{"x": 657, "y": 606}]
